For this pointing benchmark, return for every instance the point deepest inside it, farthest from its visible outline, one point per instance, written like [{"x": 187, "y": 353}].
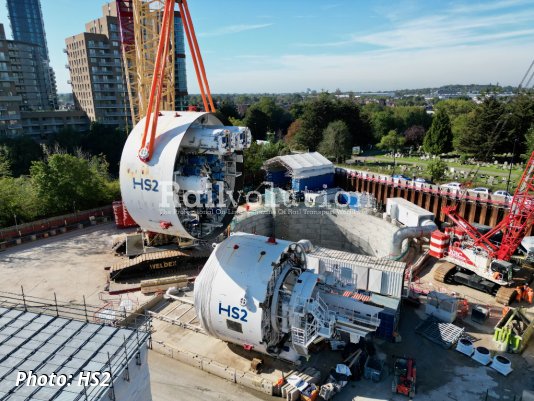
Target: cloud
[
  {"x": 487, "y": 6},
  {"x": 442, "y": 30},
  {"x": 231, "y": 29},
  {"x": 378, "y": 70}
]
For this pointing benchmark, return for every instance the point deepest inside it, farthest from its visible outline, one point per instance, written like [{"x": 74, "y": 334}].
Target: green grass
[
  {"x": 410, "y": 166},
  {"x": 465, "y": 167}
]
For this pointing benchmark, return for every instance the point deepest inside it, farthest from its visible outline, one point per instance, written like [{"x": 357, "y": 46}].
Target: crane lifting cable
[{"x": 153, "y": 110}]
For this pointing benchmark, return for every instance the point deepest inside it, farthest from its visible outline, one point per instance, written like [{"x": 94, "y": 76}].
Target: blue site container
[
  {"x": 278, "y": 178},
  {"x": 313, "y": 183}
]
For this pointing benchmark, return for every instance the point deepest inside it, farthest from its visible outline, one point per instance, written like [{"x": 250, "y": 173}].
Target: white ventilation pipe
[{"x": 425, "y": 229}]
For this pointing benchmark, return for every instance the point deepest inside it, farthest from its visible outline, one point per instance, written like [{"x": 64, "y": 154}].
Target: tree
[
  {"x": 455, "y": 107},
  {"x": 20, "y": 152},
  {"x": 436, "y": 169},
  {"x": 279, "y": 119},
  {"x": 519, "y": 118},
  {"x": 529, "y": 142},
  {"x": 63, "y": 182},
  {"x": 67, "y": 139},
  {"x": 414, "y": 136},
  {"x": 257, "y": 121},
  {"x": 485, "y": 130},
  {"x": 324, "y": 109},
  {"x": 408, "y": 116},
  {"x": 228, "y": 108},
  {"x": 17, "y": 198},
  {"x": 5, "y": 165},
  {"x": 107, "y": 141},
  {"x": 392, "y": 141},
  {"x": 292, "y": 131},
  {"x": 438, "y": 139},
  {"x": 318, "y": 113},
  {"x": 336, "y": 141},
  {"x": 256, "y": 155},
  {"x": 382, "y": 123}
]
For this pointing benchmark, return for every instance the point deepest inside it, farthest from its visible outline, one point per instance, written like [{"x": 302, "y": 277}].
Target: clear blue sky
[{"x": 287, "y": 46}]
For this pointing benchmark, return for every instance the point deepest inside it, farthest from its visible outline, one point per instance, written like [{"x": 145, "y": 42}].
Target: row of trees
[
  {"x": 334, "y": 125},
  {"x": 19, "y": 152},
  {"x": 59, "y": 183},
  {"x": 72, "y": 171}
]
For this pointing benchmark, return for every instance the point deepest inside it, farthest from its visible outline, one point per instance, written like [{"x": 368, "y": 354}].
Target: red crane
[
  {"x": 513, "y": 227},
  {"x": 470, "y": 251},
  {"x": 153, "y": 108}
]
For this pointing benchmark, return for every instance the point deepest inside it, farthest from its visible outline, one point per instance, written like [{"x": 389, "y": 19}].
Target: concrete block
[
  {"x": 52, "y": 232},
  {"x": 33, "y": 237},
  {"x": 18, "y": 241},
  {"x": 45, "y": 235},
  {"x": 188, "y": 358},
  {"x": 63, "y": 229},
  {"x": 80, "y": 225},
  {"x": 218, "y": 369}
]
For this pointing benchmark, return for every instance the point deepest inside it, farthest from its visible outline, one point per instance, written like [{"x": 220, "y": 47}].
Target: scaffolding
[
  {"x": 147, "y": 16},
  {"x": 140, "y": 24}
]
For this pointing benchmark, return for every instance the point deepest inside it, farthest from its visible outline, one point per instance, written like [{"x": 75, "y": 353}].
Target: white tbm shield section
[
  {"x": 258, "y": 292},
  {"x": 189, "y": 188}
]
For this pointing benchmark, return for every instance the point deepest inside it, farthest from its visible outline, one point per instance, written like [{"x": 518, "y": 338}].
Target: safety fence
[{"x": 21, "y": 233}]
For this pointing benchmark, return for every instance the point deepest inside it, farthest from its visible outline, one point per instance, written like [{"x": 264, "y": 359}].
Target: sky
[{"x": 281, "y": 46}]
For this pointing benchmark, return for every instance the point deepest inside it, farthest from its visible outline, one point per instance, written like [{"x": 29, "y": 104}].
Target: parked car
[
  {"x": 401, "y": 177},
  {"x": 481, "y": 190},
  {"x": 507, "y": 195},
  {"x": 423, "y": 180},
  {"x": 452, "y": 185}
]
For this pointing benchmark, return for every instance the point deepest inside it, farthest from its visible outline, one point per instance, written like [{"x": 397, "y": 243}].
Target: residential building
[
  {"x": 41, "y": 124},
  {"x": 27, "y": 26},
  {"x": 95, "y": 65}
]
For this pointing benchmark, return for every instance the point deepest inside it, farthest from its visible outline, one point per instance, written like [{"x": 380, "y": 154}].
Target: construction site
[{"x": 325, "y": 283}]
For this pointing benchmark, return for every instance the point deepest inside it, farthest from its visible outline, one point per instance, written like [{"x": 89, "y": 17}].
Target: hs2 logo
[{"x": 233, "y": 312}]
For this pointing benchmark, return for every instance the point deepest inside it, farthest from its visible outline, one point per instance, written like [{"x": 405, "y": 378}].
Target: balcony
[
  {"x": 65, "y": 51},
  {"x": 69, "y": 82},
  {"x": 105, "y": 97},
  {"x": 10, "y": 117},
  {"x": 67, "y": 66},
  {"x": 98, "y": 80},
  {"x": 95, "y": 46}
]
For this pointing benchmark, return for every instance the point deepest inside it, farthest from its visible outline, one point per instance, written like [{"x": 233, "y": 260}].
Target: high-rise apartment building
[
  {"x": 180, "y": 79},
  {"x": 95, "y": 65},
  {"x": 10, "y": 100},
  {"x": 27, "y": 26}
]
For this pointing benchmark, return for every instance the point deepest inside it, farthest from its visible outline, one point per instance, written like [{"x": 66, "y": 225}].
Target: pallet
[{"x": 443, "y": 334}]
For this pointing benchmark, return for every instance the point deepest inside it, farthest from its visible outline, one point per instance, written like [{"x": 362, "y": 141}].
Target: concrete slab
[{"x": 70, "y": 264}]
